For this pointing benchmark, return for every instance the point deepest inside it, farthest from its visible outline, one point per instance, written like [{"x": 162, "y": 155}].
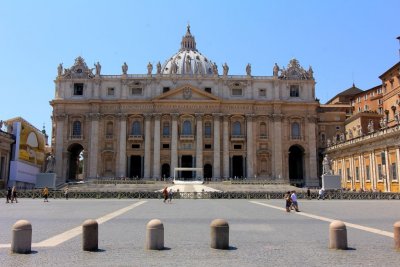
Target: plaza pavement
[{"x": 261, "y": 233}]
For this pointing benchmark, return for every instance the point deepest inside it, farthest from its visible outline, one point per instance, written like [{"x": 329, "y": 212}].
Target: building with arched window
[{"x": 186, "y": 113}]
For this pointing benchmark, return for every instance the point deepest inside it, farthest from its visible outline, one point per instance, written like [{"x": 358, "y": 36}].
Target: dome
[{"x": 189, "y": 61}]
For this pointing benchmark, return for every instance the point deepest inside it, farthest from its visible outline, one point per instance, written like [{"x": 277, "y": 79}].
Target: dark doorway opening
[
  {"x": 165, "y": 171},
  {"x": 136, "y": 167},
  {"x": 187, "y": 162},
  {"x": 296, "y": 175},
  {"x": 207, "y": 172},
  {"x": 237, "y": 167},
  {"x": 76, "y": 162}
]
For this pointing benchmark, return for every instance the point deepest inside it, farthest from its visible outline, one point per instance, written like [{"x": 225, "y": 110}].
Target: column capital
[
  {"x": 199, "y": 116},
  {"x": 174, "y": 116},
  {"x": 148, "y": 116},
  {"x": 226, "y": 117},
  {"x": 312, "y": 118},
  {"x": 157, "y": 116},
  {"x": 93, "y": 116},
  {"x": 250, "y": 117},
  {"x": 121, "y": 116},
  {"x": 277, "y": 117},
  {"x": 216, "y": 116},
  {"x": 60, "y": 117}
]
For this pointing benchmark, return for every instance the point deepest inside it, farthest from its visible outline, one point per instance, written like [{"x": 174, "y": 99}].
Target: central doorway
[
  {"x": 237, "y": 167},
  {"x": 135, "y": 167},
  {"x": 187, "y": 162},
  {"x": 296, "y": 172},
  {"x": 75, "y": 162}
]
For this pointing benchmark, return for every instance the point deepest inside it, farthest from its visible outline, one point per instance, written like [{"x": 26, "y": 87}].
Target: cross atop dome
[{"x": 188, "y": 41}]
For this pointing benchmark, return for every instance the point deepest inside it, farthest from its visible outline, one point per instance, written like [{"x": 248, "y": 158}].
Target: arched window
[
  {"x": 237, "y": 128},
  {"x": 136, "y": 130},
  {"x": 207, "y": 129},
  {"x": 109, "y": 128},
  {"x": 76, "y": 128},
  {"x": 263, "y": 129},
  {"x": 295, "y": 130},
  {"x": 187, "y": 128},
  {"x": 165, "y": 128}
]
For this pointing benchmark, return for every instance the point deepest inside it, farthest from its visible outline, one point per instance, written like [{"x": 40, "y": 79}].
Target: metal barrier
[{"x": 202, "y": 195}]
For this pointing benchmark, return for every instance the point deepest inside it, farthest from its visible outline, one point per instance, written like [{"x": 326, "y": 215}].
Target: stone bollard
[
  {"x": 155, "y": 235},
  {"x": 90, "y": 235},
  {"x": 337, "y": 235},
  {"x": 21, "y": 237},
  {"x": 219, "y": 234},
  {"x": 396, "y": 233}
]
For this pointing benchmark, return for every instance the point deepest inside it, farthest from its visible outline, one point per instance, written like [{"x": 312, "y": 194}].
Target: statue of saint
[
  {"x": 60, "y": 69},
  {"x": 149, "y": 68},
  {"x": 248, "y": 69},
  {"x": 310, "y": 73},
  {"x": 158, "y": 67},
  {"x": 174, "y": 67},
  {"x": 275, "y": 70},
  {"x": 1, "y": 124},
  {"x": 98, "y": 68},
  {"x": 326, "y": 165},
  {"x": 124, "y": 68},
  {"x": 370, "y": 126},
  {"x": 215, "y": 69},
  {"x": 225, "y": 68},
  {"x": 50, "y": 164}
]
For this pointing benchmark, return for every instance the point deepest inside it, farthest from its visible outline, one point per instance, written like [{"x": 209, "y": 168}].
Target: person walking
[
  {"x": 293, "y": 196},
  {"x": 45, "y": 194},
  {"x": 170, "y": 195},
  {"x": 66, "y": 192},
  {"x": 8, "y": 195},
  {"x": 288, "y": 201},
  {"x": 14, "y": 194},
  {"x": 308, "y": 194},
  {"x": 321, "y": 194},
  {"x": 165, "y": 194}
]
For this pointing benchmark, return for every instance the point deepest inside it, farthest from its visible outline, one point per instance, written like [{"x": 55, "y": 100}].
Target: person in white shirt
[{"x": 293, "y": 196}]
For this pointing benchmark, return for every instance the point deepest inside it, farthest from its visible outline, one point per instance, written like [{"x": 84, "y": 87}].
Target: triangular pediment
[{"x": 186, "y": 93}]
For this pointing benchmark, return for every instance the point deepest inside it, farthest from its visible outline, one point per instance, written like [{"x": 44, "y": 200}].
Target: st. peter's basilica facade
[{"x": 185, "y": 113}]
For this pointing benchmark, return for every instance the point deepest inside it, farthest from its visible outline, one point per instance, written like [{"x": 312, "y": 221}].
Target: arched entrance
[
  {"x": 165, "y": 171},
  {"x": 76, "y": 162},
  {"x": 207, "y": 173},
  {"x": 237, "y": 167},
  {"x": 296, "y": 165},
  {"x": 135, "y": 167}
]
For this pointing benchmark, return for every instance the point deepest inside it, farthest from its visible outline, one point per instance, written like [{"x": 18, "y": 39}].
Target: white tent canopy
[{"x": 198, "y": 179}]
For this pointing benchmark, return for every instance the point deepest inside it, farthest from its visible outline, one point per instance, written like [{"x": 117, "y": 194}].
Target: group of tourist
[
  {"x": 167, "y": 194},
  {"x": 12, "y": 195},
  {"x": 291, "y": 201}
]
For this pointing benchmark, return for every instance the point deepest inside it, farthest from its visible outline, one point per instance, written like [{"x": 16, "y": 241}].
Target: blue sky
[{"x": 344, "y": 41}]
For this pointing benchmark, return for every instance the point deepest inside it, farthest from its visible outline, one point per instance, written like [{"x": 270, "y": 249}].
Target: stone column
[
  {"x": 121, "y": 161},
  {"x": 387, "y": 172},
  {"x": 398, "y": 164},
  {"x": 59, "y": 143},
  {"x": 373, "y": 170},
  {"x": 156, "y": 147},
  {"x": 312, "y": 174},
  {"x": 147, "y": 146},
  {"x": 225, "y": 143},
  {"x": 174, "y": 143},
  {"x": 277, "y": 146},
  {"x": 94, "y": 144},
  {"x": 361, "y": 172},
  {"x": 249, "y": 153},
  {"x": 199, "y": 140},
  {"x": 217, "y": 147}
]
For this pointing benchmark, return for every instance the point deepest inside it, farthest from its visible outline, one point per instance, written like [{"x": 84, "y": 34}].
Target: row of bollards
[{"x": 22, "y": 235}]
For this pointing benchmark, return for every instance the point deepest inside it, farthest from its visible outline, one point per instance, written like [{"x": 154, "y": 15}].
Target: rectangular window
[
  {"x": 366, "y": 97},
  {"x": 367, "y": 173},
  {"x": 262, "y": 92},
  {"x": 357, "y": 174},
  {"x": 136, "y": 146},
  {"x": 165, "y": 146},
  {"x": 208, "y": 89},
  {"x": 237, "y": 92},
  {"x": 294, "y": 90},
  {"x": 78, "y": 88},
  {"x": 340, "y": 173},
  {"x": 380, "y": 174},
  {"x": 207, "y": 146},
  {"x": 136, "y": 91},
  {"x": 237, "y": 146},
  {"x": 165, "y": 89},
  {"x": 348, "y": 174},
  {"x": 110, "y": 91},
  {"x": 394, "y": 171}
]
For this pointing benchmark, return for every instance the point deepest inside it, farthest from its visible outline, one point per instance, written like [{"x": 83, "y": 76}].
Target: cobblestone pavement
[{"x": 259, "y": 235}]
